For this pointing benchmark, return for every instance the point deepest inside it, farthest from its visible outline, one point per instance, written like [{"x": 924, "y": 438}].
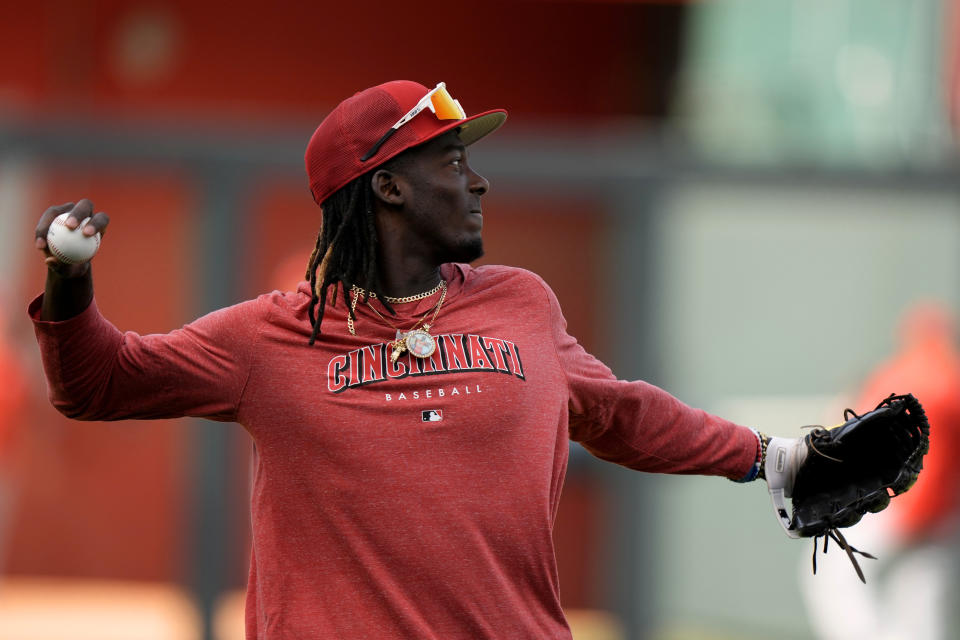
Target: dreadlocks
[{"x": 346, "y": 251}]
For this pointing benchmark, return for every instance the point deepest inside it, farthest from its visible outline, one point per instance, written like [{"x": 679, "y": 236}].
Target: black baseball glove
[{"x": 833, "y": 476}]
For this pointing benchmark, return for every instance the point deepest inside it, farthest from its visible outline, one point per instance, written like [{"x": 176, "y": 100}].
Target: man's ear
[{"x": 386, "y": 188}]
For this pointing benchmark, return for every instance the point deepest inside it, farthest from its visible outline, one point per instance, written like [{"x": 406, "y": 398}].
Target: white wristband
[{"x": 784, "y": 457}]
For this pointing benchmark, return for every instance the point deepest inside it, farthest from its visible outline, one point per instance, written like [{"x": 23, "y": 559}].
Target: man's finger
[
  {"x": 82, "y": 211},
  {"x": 45, "y": 220},
  {"x": 98, "y": 224}
]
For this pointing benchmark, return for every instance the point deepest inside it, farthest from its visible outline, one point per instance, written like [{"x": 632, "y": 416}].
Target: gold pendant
[
  {"x": 420, "y": 343},
  {"x": 398, "y": 348}
]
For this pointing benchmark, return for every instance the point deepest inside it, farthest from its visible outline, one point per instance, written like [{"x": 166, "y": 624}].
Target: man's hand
[
  {"x": 69, "y": 288},
  {"x": 80, "y": 211}
]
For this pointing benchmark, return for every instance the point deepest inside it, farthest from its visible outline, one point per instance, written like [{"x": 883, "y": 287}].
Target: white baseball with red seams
[{"x": 70, "y": 245}]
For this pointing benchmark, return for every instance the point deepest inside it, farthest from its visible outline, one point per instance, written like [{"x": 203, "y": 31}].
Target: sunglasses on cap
[{"x": 438, "y": 100}]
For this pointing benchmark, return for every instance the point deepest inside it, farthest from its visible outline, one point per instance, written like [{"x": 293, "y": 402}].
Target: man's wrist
[
  {"x": 68, "y": 291},
  {"x": 65, "y": 271},
  {"x": 764, "y": 443}
]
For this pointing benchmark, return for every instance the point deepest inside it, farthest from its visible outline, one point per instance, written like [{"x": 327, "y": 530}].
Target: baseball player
[{"x": 411, "y": 413}]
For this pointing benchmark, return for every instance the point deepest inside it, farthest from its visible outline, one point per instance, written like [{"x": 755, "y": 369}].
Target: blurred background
[{"x": 736, "y": 200}]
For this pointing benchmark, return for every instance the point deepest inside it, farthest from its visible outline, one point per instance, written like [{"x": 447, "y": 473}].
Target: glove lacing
[{"x": 840, "y": 540}]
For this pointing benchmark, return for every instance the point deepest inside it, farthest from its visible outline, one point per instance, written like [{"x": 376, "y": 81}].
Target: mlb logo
[{"x": 431, "y": 415}]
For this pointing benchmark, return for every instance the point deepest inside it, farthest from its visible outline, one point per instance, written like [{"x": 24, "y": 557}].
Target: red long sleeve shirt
[{"x": 406, "y": 500}]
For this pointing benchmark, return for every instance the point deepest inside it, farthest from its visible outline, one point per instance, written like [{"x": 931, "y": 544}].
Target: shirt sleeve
[
  {"x": 641, "y": 426},
  {"x": 96, "y": 372}
]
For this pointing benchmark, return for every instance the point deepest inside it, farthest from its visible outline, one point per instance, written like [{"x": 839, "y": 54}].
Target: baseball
[{"x": 71, "y": 246}]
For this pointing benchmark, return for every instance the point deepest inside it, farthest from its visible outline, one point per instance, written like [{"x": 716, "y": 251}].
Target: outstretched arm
[{"x": 640, "y": 426}]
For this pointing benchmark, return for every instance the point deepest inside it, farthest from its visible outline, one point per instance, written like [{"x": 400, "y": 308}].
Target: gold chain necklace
[
  {"x": 405, "y": 299},
  {"x": 417, "y": 339},
  {"x": 359, "y": 291}
]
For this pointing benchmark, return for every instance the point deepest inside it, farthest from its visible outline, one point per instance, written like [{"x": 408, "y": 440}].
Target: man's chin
[{"x": 469, "y": 251}]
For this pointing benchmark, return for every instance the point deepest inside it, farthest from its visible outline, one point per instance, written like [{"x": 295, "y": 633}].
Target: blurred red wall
[{"x": 184, "y": 57}]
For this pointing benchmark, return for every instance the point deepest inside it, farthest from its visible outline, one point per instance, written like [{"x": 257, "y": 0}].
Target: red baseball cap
[{"x": 335, "y": 154}]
